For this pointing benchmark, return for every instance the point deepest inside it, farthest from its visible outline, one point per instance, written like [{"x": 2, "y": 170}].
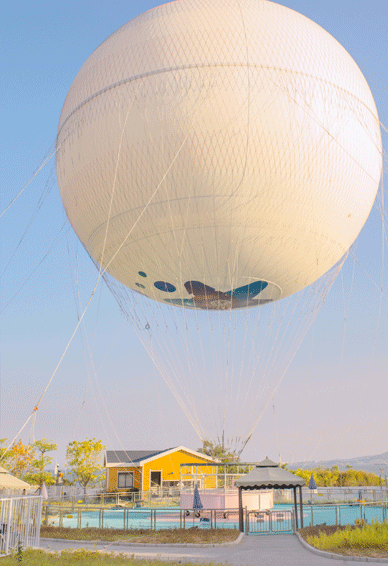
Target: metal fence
[
  {"x": 20, "y": 519},
  {"x": 170, "y": 497},
  {"x": 269, "y": 522},
  {"x": 334, "y": 494},
  {"x": 345, "y": 514},
  {"x": 58, "y": 491},
  {"x": 276, "y": 520},
  {"x": 139, "y": 518},
  {"x": 159, "y": 498},
  {"x": 283, "y": 520}
]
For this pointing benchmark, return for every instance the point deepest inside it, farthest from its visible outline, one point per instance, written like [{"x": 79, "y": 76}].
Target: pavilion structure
[
  {"x": 268, "y": 475},
  {"x": 9, "y": 482}
]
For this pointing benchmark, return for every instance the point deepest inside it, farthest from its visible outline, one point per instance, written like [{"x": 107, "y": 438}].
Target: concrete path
[{"x": 270, "y": 550}]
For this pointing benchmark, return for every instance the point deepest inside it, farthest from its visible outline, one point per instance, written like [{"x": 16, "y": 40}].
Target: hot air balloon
[{"x": 216, "y": 155}]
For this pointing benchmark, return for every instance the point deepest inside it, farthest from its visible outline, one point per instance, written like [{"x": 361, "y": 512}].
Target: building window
[{"x": 124, "y": 480}]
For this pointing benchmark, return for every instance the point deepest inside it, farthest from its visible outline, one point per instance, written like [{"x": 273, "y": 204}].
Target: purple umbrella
[{"x": 43, "y": 491}]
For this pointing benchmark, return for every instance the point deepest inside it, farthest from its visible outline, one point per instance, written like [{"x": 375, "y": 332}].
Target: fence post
[
  {"x": 9, "y": 523},
  {"x": 38, "y": 521},
  {"x": 27, "y": 528},
  {"x": 293, "y": 520},
  {"x": 153, "y": 519},
  {"x": 240, "y": 511}
]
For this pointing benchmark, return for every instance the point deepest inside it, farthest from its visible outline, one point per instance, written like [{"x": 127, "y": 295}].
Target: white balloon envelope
[{"x": 217, "y": 154}]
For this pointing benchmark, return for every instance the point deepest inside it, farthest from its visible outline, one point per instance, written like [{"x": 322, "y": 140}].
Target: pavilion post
[
  {"x": 296, "y": 509},
  {"x": 240, "y": 511},
  {"x": 301, "y": 506}
]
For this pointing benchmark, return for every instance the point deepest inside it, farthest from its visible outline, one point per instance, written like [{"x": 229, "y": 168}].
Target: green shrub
[{"x": 367, "y": 537}]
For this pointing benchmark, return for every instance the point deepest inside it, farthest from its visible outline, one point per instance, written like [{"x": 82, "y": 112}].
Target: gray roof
[
  {"x": 267, "y": 475},
  {"x": 131, "y": 456},
  {"x": 267, "y": 463}
]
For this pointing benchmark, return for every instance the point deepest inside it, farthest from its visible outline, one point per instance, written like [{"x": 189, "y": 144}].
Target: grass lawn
[
  {"x": 167, "y": 536},
  {"x": 367, "y": 540},
  {"x": 83, "y": 558}
]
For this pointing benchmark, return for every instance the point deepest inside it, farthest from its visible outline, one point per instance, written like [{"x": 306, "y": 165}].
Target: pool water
[{"x": 170, "y": 518}]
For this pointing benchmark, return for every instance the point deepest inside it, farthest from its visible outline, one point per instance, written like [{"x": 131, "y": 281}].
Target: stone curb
[
  {"x": 340, "y": 556},
  {"x": 147, "y": 544}
]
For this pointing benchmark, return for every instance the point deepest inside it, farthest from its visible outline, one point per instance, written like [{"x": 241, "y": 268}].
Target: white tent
[{"x": 7, "y": 481}]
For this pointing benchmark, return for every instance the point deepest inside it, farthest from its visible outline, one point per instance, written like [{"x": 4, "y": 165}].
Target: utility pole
[{"x": 378, "y": 464}]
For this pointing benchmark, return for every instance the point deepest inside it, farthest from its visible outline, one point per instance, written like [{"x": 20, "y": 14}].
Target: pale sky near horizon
[{"x": 332, "y": 402}]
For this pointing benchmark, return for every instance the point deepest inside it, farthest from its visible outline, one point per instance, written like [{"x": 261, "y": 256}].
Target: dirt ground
[{"x": 167, "y": 536}]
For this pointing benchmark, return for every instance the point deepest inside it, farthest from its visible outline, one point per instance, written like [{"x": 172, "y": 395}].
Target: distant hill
[{"x": 365, "y": 463}]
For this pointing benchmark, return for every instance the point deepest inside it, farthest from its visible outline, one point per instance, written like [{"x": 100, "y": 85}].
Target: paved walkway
[{"x": 270, "y": 550}]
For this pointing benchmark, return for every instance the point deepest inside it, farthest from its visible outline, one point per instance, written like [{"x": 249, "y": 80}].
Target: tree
[
  {"x": 85, "y": 460},
  {"x": 20, "y": 459},
  {"x": 218, "y": 452},
  {"x": 38, "y": 477},
  {"x": 335, "y": 478},
  {"x": 222, "y": 454},
  {"x": 3, "y": 454}
]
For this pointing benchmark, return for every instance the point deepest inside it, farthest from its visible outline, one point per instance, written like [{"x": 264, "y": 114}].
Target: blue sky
[{"x": 332, "y": 403}]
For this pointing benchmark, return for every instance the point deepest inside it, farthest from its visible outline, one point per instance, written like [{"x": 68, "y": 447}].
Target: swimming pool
[
  {"x": 343, "y": 514},
  {"x": 173, "y": 517}
]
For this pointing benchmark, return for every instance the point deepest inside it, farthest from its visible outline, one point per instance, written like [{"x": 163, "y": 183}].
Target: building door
[{"x": 156, "y": 480}]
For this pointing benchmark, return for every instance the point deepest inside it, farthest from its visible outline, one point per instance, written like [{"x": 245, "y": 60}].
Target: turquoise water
[
  {"x": 338, "y": 514},
  {"x": 134, "y": 519},
  {"x": 170, "y": 518},
  {"x": 341, "y": 514}
]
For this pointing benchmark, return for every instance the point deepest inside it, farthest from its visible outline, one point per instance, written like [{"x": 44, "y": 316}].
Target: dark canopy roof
[{"x": 268, "y": 475}]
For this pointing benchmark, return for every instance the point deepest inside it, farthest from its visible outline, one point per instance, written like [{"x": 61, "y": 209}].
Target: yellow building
[{"x": 145, "y": 470}]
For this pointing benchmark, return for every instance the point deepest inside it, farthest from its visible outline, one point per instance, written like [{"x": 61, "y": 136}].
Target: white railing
[
  {"x": 338, "y": 495},
  {"x": 20, "y": 520},
  {"x": 166, "y": 497},
  {"x": 170, "y": 497}
]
